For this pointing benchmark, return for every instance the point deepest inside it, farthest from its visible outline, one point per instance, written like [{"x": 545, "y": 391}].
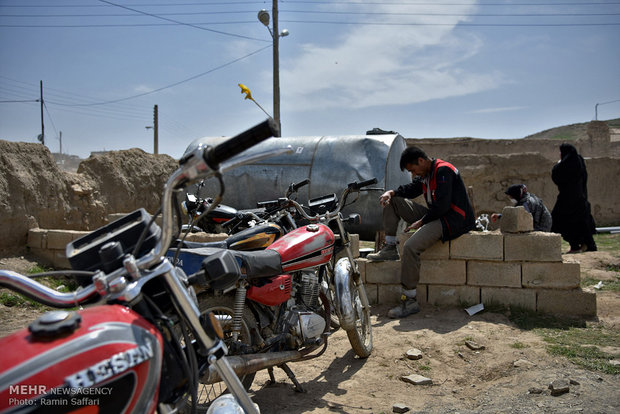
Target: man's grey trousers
[{"x": 422, "y": 239}]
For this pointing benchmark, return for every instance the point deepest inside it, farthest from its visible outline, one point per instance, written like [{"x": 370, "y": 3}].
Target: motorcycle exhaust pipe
[{"x": 247, "y": 364}]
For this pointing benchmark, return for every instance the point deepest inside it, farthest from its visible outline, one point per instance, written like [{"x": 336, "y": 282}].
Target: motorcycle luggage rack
[{"x": 323, "y": 204}]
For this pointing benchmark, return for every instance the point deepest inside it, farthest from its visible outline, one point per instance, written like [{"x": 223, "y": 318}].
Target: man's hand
[
  {"x": 414, "y": 226},
  {"x": 385, "y": 198}
]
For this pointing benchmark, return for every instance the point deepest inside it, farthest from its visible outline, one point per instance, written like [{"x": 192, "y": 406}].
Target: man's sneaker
[
  {"x": 408, "y": 306},
  {"x": 389, "y": 252}
]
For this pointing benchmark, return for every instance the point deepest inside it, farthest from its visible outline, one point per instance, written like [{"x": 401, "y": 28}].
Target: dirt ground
[{"x": 501, "y": 378}]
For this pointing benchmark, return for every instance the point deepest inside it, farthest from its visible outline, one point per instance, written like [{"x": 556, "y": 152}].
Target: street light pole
[{"x": 263, "y": 17}]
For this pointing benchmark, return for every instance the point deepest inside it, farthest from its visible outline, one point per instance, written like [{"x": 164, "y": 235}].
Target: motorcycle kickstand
[
  {"x": 272, "y": 378},
  {"x": 291, "y": 376}
]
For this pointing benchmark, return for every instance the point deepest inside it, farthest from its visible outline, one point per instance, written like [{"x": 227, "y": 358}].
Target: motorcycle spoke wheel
[
  {"x": 360, "y": 336},
  {"x": 222, "y": 307}
]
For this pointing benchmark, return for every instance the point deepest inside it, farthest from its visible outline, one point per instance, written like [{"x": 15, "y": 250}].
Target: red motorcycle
[
  {"x": 133, "y": 339},
  {"x": 280, "y": 311}
]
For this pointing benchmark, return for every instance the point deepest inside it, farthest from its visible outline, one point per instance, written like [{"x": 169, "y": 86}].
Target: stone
[
  {"x": 556, "y": 275},
  {"x": 387, "y": 272},
  {"x": 453, "y": 295},
  {"x": 516, "y": 220},
  {"x": 559, "y": 387},
  {"x": 414, "y": 354},
  {"x": 566, "y": 302},
  {"x": 496, "y": 274},
  {"x": 536, "y": 246},
  {"x": 443, "y": 272},
  {"x": 478, "y": 245},
  {"x": 400, "y": 408},
  {"x": 416, "y": 379},
  {"x": 524, "y": 298},
  {"x": 474, "y": 346},
  {"x": 535, "y": 390},
  {"x": 522, "y": 363}
]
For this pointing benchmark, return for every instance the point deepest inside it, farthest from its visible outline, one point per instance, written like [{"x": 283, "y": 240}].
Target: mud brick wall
[{"x": 494, "y": 268}]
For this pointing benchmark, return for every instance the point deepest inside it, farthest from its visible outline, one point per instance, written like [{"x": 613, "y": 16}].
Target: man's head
[{"x": 414, "y": 160}]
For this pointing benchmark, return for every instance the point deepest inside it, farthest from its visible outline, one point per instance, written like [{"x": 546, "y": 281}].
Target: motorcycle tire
[
  {"x": 360, "y": 336},
  {"x": 223, "y": 307}
]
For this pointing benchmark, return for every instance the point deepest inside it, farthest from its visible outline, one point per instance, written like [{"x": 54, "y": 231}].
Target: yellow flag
[{"x": 246, "y": 90}]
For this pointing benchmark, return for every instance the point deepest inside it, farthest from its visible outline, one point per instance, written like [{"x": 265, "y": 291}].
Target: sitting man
[
  {"x": 448, "y": 215},
  {"x": 519, "y": 196}
]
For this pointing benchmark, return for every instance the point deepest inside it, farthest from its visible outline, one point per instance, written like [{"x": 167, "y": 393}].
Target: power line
[
  {"x": 227, "y": 3},
  {"x": 183, "y": 23},
  {"x": 171, "y": 85},
  {"x": 35, "y": 100},
  {"x": 451, "y": 24},
  {"x": 320, "y": 12}
]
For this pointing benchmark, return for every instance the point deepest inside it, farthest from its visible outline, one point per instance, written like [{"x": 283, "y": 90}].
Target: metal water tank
[{"x": 330, "y": 162}]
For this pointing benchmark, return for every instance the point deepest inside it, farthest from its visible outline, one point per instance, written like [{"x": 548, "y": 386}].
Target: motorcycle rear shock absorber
[{"x": 238, "y": 310}]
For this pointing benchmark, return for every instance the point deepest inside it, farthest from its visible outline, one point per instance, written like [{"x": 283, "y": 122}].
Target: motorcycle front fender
[{"x": 343, "y": 272}]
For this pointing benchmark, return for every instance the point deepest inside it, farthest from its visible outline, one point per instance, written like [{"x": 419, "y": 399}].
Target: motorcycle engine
[{"x": 304, "y": 324}]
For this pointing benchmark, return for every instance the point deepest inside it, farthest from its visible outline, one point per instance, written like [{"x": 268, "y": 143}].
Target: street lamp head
[
  {"x": 284, "y": 33},
  {"x": 263, "y": 17}
]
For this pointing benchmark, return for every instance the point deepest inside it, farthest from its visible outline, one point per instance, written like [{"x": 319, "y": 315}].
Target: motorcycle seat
[{"x": 254, "y": 264}]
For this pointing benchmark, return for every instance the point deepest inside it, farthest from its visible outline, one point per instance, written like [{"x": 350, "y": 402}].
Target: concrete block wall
[
  {"x": 524, "y": 270},
  {"x": 493, "y": 268}
]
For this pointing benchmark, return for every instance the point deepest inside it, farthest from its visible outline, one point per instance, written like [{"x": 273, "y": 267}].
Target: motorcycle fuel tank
[
  {"x": 107, "y": 359},
  {"x": 305, "y": 247}
]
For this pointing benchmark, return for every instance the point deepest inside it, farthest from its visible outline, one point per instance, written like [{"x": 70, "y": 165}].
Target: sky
[{"x": 426, "y": 69}]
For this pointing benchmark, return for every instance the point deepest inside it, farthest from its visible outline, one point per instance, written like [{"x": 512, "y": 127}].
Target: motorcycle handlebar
[
  {"x": 300, "y": 184},
  {"x": 356, "y": 186},
  {"x": 241, "y": 142},
  {"x": 41, "y": 293}
]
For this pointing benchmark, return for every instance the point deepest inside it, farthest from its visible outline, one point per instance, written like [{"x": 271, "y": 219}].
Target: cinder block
[
  {"x": 522, "y": 298},
  {"x": 60, "y": 260},
  {"x": 355, "y": 247},
  {"x": 516, "y": 220},
  {"x": 438, "y": 250},
  {"x": 478, "y": 245},
  {"x": 443, "y": 272},
  {"x": 389, "y": 294},
  {"x": 37, "y": 238},
  {"x": 372, "y": 292},
  {"x": 383, "y": 272},
  {"x": 453, "y": 295},
  {"x": 497, "y": 274},
  {"x": 551, "y": 275},
  {"x": 422, "y": 294},
  {"x": 58, "y": 239},
  {"x": 361, "y": 265},
  {"x": 44, "y": 256},
  {"x": 536, "y": 246},
  {"x": 567, "y": 302}
]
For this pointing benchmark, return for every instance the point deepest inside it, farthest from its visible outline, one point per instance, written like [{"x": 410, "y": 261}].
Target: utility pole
[
  {"x": 42, "y": 138},
  {"x": 155, "y": 130},
  {"x": 60, "y": 139},
  {"x": 276, "y": 67}
]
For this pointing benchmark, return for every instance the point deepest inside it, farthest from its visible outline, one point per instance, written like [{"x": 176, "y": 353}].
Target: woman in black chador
[{"x": 571, "y": 214}]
